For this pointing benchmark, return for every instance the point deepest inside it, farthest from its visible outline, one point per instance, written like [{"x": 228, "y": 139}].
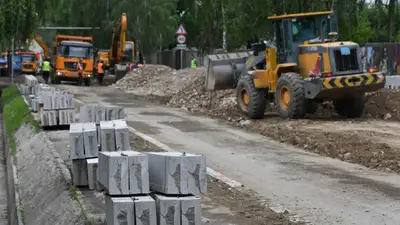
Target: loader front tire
[
  {"x": 251, "y": 100},
  {"x": 289, "y": 96},
  {"x": 350, "y": 107}
]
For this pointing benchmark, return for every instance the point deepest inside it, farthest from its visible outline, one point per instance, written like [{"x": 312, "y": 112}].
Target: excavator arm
[
  {"x": 119, "y": 40},
  {"x": 43, "y": 45}
]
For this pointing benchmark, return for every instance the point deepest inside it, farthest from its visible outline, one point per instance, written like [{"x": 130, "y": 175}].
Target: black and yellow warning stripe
[{"x": 353, "y": 80}]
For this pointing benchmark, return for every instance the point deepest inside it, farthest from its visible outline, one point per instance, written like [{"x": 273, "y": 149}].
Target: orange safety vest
[{"x": 100, "y": 68}]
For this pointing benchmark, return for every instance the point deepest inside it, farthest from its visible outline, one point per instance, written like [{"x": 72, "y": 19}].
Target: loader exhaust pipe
[{"x": 222, "y": 68}]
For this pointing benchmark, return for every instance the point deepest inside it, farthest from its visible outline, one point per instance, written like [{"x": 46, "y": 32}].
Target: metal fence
[
  {"x": 383, "y": 56},
  {"x": 172, "y": 58}
]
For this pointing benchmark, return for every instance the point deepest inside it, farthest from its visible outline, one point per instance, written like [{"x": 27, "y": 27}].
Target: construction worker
[
  {"x": 193, "y": 63},
  {"x": 46, "y": 69},
  {"x": 80, "y": 72},
  {"x": 100, "y": 72}
]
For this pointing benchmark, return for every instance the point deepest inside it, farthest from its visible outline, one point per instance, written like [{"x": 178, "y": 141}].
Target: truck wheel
[
  {"x": 351, "y": 107},
  {"x": 251, "y": 100},
  {"x": 87, "y": 82},
  {"x": 289, "y": 96}
]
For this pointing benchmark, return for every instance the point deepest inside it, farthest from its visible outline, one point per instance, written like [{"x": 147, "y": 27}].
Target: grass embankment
[{"x": 16, "y": 113}]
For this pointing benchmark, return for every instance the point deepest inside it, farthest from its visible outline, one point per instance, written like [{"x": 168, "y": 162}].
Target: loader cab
[{"x": 293, "y": 30}]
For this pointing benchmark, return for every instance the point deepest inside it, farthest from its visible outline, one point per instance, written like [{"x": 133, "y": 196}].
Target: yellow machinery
[
  {"x": 121, "y": 51},
  {"x": 306, "y": 66},
  {"x": 66, "y": 53}
]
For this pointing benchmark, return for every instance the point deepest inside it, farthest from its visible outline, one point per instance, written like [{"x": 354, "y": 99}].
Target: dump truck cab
[
  {"x": 306, "y": 66},
  {"x": 66, "y": 53},
  {"x": 28, "y": 62}
]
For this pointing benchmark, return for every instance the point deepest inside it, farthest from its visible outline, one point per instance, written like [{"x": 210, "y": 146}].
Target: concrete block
[
  {"x": 79, "y": 172},
  {"x": 48, "y": 117},
  {"x": 107, "y": 136},
  {"x": 177, "y": 173},
  {"x": 90, "y": 144},
  {"x": 168, "y": 210},
  {"x": 55, "y": 101},
  {"x": 63, "y": 117},
  {"x": 121, "y": 135},
  {"x": 110, "y": 113},
  {"x": 66, "y": 116},
  {"x": 119, "y": 113},
  {"x": 47, "y": 101},
  {"x": 61, "y": 102},
  {"x": 87, "y": 113},
  {"x": 119, "y": 211},
  {"x": 100, "y": 114},
  {"x": 114, "y": 173},
  {"x": 69, "y": 101},
  {"x": 145, "y": 210},
  {"x": 190, "y": 210},
  {"x": 92, "y": 167},
  {"x": 138, "y": 172},
  {"x": 76, "y": 141},
  {"x": 44, "y": 118}
]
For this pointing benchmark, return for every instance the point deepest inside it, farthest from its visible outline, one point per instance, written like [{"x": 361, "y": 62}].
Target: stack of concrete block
[
  {"x": 179, "y": 179},
  {"x": 125, "y": 178},
  {"x": 114, "y": 136},
  {"x": 60, "y": 103},
  {"x": 30, "y": 82},
  {"x": 96, "y": 113},
  {"x": 83, "y": 149}
]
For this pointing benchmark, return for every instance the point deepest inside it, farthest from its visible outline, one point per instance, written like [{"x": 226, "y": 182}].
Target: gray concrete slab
[{"x": 321, "y": 190}]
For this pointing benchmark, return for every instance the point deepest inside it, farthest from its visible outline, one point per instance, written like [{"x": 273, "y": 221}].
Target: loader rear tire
[
  {"x": 351, "y": 107},
  {"x": 289, "y": 96},
  {"x": 251, "y": 100}
]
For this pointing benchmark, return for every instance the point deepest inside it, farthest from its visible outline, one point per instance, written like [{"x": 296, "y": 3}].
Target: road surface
[{"x": 320, "y": 190}]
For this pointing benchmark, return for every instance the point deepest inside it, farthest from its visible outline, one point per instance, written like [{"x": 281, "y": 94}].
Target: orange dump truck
[
  {"x": 28, "y": 62},
  {"x": 66, "y": 53}
]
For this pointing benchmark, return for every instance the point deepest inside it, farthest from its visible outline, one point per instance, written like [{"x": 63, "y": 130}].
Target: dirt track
[{"x": 372, "y": 141}]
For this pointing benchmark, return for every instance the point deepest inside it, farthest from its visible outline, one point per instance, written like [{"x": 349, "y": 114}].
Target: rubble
[{"x": 158, "y": 80}]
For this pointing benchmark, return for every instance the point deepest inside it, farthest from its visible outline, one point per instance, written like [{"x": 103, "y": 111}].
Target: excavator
[
  {"x": 307, "y": 65},
  {"x": 121, "y": 51}
]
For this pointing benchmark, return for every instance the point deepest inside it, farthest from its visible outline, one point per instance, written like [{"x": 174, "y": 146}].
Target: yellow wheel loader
[{"x": 306, "y": 66}]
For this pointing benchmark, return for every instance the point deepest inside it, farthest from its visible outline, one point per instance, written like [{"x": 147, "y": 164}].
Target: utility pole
[
  {"x": 224, "y": 38},
  {"x": 12, "y": 59}
]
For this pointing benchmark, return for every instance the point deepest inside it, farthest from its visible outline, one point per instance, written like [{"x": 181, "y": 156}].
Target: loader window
[
  {"x": 304, "y": 29},
  {"x": 129, "y": 51}
]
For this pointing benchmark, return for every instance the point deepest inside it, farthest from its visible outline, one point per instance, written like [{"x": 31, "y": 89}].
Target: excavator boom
[
  {"x": 119, "y": 39},
  {"x": 43, "y": 45}
]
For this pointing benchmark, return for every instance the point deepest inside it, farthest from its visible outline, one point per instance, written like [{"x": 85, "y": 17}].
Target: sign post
[{"x": 181, "y": 40}]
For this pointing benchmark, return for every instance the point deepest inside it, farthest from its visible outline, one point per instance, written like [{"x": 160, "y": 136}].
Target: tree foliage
[{"x": 152, "y": 23}]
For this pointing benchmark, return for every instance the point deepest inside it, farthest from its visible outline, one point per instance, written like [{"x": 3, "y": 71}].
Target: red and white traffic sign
[
  {"x": 181, "y": 30},
  {"x": 181, "y": 39}
]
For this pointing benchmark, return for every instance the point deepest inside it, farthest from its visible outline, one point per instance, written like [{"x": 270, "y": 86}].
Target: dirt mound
[
  {"x": 383, "y": 104},
  {"x": 194, "y": 98},
  {"x": 158, "y": 80}
]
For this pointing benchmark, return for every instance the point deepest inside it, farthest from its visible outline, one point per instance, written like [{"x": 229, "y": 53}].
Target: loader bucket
[{"x": 222, "y": 68}]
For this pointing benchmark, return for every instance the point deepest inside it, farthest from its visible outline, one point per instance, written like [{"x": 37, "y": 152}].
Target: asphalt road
[{"x": 320, "y": 190}]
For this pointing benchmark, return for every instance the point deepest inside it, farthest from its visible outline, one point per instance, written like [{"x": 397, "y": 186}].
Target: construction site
[{"x": 298, "y": 129}]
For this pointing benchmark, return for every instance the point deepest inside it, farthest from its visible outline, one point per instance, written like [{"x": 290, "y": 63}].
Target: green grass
[
  {"x": 16, "y": 113},
  {"x": 75, "y": 195}
]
